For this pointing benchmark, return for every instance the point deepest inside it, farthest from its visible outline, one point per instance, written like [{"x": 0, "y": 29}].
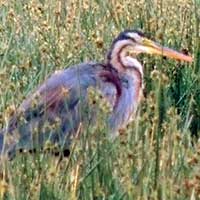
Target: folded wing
[{"x": 54, "y": 112}]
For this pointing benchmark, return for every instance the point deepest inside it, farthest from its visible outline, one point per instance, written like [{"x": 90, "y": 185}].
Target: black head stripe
[{"x": 123, "y": 36}]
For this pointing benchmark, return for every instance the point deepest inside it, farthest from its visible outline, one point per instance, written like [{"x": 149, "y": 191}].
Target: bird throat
[{"x": 123, "y": 58}]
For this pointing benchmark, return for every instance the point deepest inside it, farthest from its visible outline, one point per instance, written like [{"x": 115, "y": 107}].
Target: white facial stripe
[
  {"x": 119, "y": 45},
  {"x": 129, "y": 61},
  {"x": 125, "y": 60},
  {"x": 115, "y": 53},
  {"x": 135, "y": 36}
]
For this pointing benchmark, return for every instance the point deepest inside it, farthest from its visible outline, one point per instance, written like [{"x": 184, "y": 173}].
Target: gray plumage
[
  {"x": 58, "y": 107},
  {"x": 64, "y": 96}
]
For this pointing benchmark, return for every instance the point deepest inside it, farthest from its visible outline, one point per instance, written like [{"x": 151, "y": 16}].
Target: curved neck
[
  {"x": 114, "y": 56},
  {"x": 119, "y": 59}
]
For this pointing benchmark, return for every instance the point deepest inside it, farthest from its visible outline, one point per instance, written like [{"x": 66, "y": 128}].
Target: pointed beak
[{"x": 154, "y": 48}]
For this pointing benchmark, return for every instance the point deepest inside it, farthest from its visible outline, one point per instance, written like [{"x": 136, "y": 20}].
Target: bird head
[{"x": 130, "y": 43}]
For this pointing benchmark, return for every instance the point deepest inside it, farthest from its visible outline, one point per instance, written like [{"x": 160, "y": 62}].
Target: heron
[{"x": 119, "y": 79}]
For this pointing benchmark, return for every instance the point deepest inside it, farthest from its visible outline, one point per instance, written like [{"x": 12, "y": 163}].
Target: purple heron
[{"x": 64, "y": 93}]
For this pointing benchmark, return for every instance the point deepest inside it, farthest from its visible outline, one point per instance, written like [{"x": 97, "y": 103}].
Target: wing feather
[
  {"x": 55, "y": 108},
  {"x": 58, "y": 99}
]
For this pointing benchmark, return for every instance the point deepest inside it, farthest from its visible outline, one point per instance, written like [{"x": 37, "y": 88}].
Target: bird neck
[
  {"x": 119, "y": 59},
  {"x": 125, "y": 64},
  {"x": 114, "y": 55}
]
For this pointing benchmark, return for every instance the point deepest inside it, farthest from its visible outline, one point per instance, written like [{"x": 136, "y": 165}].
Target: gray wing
[{"x": 54, "y": 112}]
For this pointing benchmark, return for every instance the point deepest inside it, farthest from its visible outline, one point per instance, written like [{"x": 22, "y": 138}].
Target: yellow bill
[{"x": 154, "y": 48}]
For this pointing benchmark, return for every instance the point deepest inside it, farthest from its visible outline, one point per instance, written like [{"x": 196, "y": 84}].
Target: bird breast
[{"x": 123, "y": 92}]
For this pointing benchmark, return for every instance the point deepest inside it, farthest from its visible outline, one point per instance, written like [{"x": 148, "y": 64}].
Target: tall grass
[{"x": 156, "y": 156}]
